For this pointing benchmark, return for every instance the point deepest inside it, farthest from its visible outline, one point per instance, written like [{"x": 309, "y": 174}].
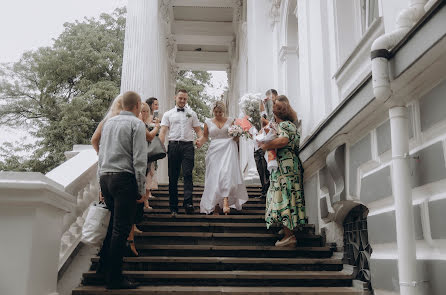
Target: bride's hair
[
  {"x": 219, "y": 105},
  {"x": 115, "y": 108}
]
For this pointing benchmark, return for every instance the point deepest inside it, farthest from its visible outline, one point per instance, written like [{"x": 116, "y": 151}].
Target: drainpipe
[
  {"x": 402, "y": 191},
  {"x": 402, "y": 194}
]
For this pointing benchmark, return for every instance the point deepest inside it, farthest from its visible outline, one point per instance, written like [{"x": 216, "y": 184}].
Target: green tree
[{"x": 64, "y": 90}]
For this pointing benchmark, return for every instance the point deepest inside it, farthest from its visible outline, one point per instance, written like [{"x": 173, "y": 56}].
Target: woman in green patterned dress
[{"x": 285, "y": 201}]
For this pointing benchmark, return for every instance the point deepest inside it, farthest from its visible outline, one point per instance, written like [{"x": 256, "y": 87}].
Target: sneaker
[
  {"x": 288, "y": 242},
  {"x": 173, "y": 214}
]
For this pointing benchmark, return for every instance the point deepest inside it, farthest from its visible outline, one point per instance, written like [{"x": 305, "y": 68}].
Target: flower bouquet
[
  {"x": 266, "y": 134},
  {"x": 235, "y": 131},
  {"x": 250, "y": 106}
]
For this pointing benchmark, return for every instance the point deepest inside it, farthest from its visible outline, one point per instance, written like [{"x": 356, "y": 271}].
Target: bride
[{"x": 223, "y": 186}]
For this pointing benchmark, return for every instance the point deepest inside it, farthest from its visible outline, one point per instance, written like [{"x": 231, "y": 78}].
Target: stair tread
[
  {"x": 205, "y": 235},
  {"x": 239, "y": 260},
  {"x": 198, "y": 216},
  {"x": 234, "y": 248},
  {"x": 215, "y": 290},
  {"x": 236, "y": 274},
  {"x": 210, "y": 224}
]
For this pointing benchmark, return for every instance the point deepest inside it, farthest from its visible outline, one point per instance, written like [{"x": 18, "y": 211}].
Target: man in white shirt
[{"x": 180, "y": 123}]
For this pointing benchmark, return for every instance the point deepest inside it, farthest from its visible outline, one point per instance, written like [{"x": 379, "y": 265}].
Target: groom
[{"x": 179, "y": 123}]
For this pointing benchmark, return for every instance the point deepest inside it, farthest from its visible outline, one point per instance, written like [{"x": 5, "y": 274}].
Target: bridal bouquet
[
  {"x": 266, "y": 134},
  {"x": 250, "y": 106},
  {"x": 235, "y": 131}
]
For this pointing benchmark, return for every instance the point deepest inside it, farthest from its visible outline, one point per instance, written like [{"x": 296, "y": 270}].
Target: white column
[
  {"x": 31, "y": 220},
  {"x": 144, "y": 62},
  {"x": 260, "y": 46},
  {"x": 402, "y": 194}
]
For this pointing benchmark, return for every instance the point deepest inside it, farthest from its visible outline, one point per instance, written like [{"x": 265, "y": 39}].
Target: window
[{"x": 369, "y": 12}]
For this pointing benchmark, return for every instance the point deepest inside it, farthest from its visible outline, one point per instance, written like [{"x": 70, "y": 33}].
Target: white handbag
[{"x": 96, "y": 224}]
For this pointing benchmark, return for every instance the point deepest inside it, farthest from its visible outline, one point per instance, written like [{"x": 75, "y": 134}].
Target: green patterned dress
[{"x": 285, "y": 201}]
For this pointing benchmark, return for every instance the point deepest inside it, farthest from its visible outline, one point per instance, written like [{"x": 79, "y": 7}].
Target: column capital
[
  {"x": 165, "y": 6},
  {"x": 174, "y": 71},
  {"x": 171, "y": 48},
  {"x": 238, "y": 11},
  {"x": 274, "y": 12}
]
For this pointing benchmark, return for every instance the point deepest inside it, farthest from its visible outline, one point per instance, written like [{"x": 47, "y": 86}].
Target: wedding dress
[{"x": 223, "y": 176}]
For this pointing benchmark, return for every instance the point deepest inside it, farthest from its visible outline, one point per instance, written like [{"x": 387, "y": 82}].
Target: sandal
[{"x": 131, "y": 250}]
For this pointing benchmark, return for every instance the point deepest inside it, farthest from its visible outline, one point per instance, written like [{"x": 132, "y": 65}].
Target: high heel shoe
[
  {"x": 131, "y": 252},
  {"x": 226, "y": 209}
]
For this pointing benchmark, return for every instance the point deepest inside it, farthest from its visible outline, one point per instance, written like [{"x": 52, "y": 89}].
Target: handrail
[{"x": 77, "y": 176}]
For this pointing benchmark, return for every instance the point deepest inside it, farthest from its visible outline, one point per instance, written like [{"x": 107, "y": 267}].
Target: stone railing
[
  {"x": 78, "y": 178},
  {"x": 41, "y": 219}
]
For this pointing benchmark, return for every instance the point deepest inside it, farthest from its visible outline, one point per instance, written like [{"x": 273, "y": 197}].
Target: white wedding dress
[{"x": 223, "y": 176}]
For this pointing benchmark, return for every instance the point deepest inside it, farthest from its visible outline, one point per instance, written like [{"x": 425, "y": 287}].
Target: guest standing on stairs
[
  {"x": 223, "y": 185},
  {"x": 285, "y": 201},
  {"x": 179, "y": 125},
  {"x": 153, "y": 166},
  {"x": 122, "y": 168}
]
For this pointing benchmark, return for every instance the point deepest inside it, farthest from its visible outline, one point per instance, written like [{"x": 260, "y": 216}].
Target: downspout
[{"x": 402, "y": 191}]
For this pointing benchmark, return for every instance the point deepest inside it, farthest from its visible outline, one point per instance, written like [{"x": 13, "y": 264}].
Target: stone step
[
  {"x": 181, "y": 211},
  {"x": 217, "y": 290},
  {"x": 158, "y": 203},
  {"x": 233, "y": 218},
  {"x": 165, "y": 198},
  {"x": 196, "y": 194},
  {"x": 233, "y": 251},
  {"x": 231, "y": 278},
  {"x": 178, "y": 225},
  {"x": 211, "y": 238},
  {"x": 201, "y": 185},
  {"x": 227, "y": 264}
]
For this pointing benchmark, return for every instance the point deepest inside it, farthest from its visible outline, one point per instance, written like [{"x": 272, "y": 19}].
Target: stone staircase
[{"x": 233, "y": 254}]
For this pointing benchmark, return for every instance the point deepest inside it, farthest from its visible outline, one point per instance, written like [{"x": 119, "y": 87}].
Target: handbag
[
  {"x": 96, "y": 224},
  {"x": 156, "y": 150}
]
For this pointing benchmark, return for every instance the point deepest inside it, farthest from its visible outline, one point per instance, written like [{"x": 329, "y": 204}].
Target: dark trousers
[
  {"x": 180, "y": 154},
  {"x": 120, "y": 193},
  {"x": 262, "y": 169}
]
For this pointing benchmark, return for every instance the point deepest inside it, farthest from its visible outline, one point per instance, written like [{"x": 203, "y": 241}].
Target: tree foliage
[{"x": 63, "y": 91}]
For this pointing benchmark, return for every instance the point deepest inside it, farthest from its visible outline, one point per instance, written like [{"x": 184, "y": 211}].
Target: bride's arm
[{"x": 204, "y": 138}]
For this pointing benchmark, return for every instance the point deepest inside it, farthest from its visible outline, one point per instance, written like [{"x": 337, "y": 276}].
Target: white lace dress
[{"x": 223, "y": 176}]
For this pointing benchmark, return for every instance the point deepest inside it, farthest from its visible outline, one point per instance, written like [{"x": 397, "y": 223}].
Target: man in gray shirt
[{"x": 122, "y": 168}]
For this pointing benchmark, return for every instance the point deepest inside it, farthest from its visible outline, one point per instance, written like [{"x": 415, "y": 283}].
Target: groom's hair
[{"x": 182, "y": 90}]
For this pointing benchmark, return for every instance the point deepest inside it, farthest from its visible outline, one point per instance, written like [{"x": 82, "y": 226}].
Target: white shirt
[{"x": 181, "y": 124}]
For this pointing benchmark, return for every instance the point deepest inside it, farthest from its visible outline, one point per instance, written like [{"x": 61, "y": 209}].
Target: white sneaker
[{"x": 288, "y": 242}]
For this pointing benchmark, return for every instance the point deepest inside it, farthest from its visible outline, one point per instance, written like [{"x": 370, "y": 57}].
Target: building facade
[
  {"x": 368, "y": 80},
  {"x": 366, "y": 77}
]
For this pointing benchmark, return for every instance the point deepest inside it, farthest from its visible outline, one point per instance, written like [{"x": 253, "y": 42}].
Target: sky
[{"x": 29, "y": 24}]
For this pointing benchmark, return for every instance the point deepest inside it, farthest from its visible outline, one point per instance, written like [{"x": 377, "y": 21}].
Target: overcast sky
[{"x": 29, "y": 24}]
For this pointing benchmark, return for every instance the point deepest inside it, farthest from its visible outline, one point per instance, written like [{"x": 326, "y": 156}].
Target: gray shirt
[{"x": 123, "y": 148}]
